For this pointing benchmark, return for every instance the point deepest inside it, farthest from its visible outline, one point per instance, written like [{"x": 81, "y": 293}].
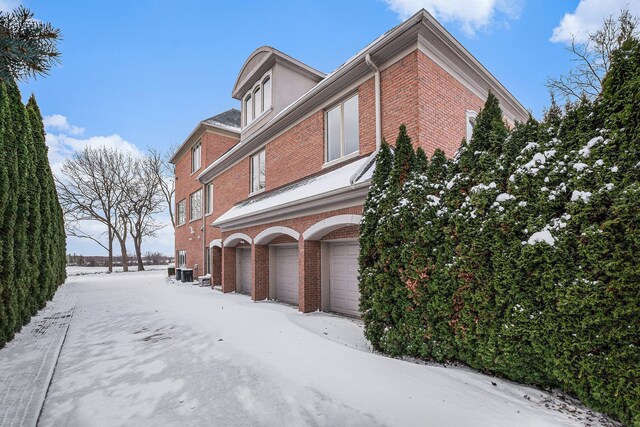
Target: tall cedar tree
[
  {"x": 394, "y": 298},
  {"x": 10, "y": 289},
  {"x": 369, "y": 250},
  {"x": 32, "y": 249}
]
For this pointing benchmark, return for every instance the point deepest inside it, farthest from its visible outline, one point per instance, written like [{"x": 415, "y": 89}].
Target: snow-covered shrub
[{"x": 520, "y": 256}]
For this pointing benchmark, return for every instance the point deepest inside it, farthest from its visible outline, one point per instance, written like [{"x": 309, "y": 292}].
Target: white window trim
[
  {"x": 178, "y": 212},
  {"x": 208, "y": 198},
  {"x": 191, "y": 219},
  {"x": 253, "y": 192},
  {"x": 198, "y": 145},
  {"x": 251, "y": 92},
  {"x": 342, "y": 158},
  {"x": 469, "y": 130}
]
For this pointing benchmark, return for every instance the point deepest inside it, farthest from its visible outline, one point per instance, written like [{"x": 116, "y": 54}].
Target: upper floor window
[
  {"x": 196, "y": 157},
  {"x": 258, "y": 99},
  {"x": 471, "y": 122},
  {"x": 248, "y": 109},
  {"x": 195, "y": 205},
  {"x": 258, "y": 172},
  {"x": 342, "y": 131},
  {"x": 209, "y": 198},
  {"x": 182, "y": 212}
]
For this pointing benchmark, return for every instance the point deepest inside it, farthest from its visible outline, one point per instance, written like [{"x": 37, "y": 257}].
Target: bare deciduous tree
[
  {"x": 144, "y": 199},
  {"x": 90, "y": 190},
  {"x": 593, "y": 58},
  {"x": 163, "y": 170}
]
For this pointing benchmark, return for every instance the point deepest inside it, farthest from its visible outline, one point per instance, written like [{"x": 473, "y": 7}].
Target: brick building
[{"x": 269, "y": 197}]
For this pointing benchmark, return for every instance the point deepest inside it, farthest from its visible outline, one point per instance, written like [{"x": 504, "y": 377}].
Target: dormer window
[
  {"x": 248, "y": 109},
  {"x": 257, "y": 100},
  {"x": 266, "y": 90}
]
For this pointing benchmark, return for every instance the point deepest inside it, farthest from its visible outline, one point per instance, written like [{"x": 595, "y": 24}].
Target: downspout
[{"x": 376, "y": 71}]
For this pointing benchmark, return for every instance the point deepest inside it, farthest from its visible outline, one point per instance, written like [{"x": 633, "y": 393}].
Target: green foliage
[
  {"x": 520, "y": 256},
  {"x": 27, "y": 45},
  {"x": 32, "y": 238}
]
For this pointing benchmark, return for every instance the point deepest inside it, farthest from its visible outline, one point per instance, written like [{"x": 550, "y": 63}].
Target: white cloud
[
  {"x": 9, "y": 5},
  {"x": 588, "y": 18},
  {"x": 472, "y": 15},
  {"x": 58, "y": 122},
  {"x": 62, "y": 146}
]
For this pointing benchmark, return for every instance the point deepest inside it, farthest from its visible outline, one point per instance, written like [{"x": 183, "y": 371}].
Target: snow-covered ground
[
  {"x": 141, "y": 350},
  {"x": 79, "y": 270}
]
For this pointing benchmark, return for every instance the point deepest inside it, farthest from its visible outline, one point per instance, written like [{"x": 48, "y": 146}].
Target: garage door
[
  {"x": 286, "y": 274},
  {"x": 244, "y": 270},
  {"x": 343, "y": 278}
]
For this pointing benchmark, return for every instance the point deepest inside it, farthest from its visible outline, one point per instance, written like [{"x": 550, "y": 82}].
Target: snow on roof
[{"x": 338, "y": 179}]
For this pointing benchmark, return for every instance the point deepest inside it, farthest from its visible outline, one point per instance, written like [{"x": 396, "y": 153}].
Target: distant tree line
[
  {"x": 149, "y": 258},
  {"x": 521, "y": 255},
  {"x": 32, "y": 237}
]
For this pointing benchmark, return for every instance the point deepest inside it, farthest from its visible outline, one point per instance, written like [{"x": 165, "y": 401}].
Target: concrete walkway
[{"x": 29, "y": 360}]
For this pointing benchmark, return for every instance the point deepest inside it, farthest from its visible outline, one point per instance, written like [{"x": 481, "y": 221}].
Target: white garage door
[
  {"x": 286, "y": 274},
  {"x": 343, "y": 278},
  {"x": 244, "y": 270}
]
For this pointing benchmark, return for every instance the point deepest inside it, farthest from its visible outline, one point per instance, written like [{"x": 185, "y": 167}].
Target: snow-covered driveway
[{"x": 142, "y": 351}]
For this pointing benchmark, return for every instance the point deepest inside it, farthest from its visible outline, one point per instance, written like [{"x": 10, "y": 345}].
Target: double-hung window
[
  {"x": 195, "y": 205},
  {"x": 182, "y": 258},
  {"x": 209, "y": 198},
  {"x": 342, "y": 130},
  {"x": 258, "y": 172},
  {"x": 182, "y": 212},
  {"x": 196, "y": 157}
]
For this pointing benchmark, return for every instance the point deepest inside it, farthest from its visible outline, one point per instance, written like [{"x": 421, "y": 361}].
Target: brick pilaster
[
  {"x": 216, "y": 266},
  {"x": 309, "y": 283},
  {"x": 260, "y": 272},
  {"x": 228, "y": 269}
]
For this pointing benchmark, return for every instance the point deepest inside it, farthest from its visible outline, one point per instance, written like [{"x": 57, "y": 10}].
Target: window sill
[
  {"x": 257, "y": 119},
  {"x": 341, "y": 159},
  {"x": 254, "y": 193},
  {"x": 194, "y": 220},
  {"x": 181, "y": 225},
  {"x": 196, "y": 171}
]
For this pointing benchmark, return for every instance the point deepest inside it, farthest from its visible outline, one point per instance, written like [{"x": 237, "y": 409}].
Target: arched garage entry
[
  {"x": 215, "y": 261},
  {"x": 236, "y": 263},
  {"x": 276, "y": 264},
  {"x": 332, "y": 244}
]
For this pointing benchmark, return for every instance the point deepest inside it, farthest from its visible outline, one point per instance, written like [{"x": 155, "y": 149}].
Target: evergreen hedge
[
  {"x": 521, "y": 255},
  {"x": 32, "y": 237}
]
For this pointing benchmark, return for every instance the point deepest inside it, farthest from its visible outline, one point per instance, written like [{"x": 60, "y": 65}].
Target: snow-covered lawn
[
  {"x": 80, "y": 270},
  {"x": 143, "y": 351}
]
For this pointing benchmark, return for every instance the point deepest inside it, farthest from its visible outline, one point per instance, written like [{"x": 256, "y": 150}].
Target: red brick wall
[
  {"x": 213, "y": 146},
  {"x": 228, "y": 269},
  {"x": 348, "y": 232},
  {"x": 309, "y": 279},
  {"x": 443, "y": 105},
  {"x": 260, "y": 272},
  {"x": 299, "y": 224},
  {"x": 296, "y": 153},
  {"x": 399, "y": 98}
]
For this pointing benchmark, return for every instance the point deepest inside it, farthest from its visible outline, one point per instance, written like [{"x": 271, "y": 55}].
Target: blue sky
[{"x": 143, "y": 73}]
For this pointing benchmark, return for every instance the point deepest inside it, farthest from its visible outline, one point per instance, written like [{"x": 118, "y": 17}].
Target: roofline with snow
[
  {"x": 197, "y": 132},
  {"x": 422, "y": 30},
  {"x": 344, "y": 197}
]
